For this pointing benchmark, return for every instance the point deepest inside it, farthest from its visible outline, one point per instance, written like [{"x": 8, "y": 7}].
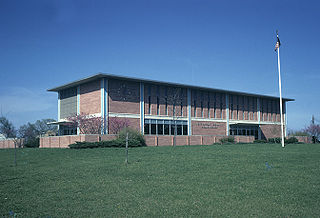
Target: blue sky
[{"x": 219, "y": 44}]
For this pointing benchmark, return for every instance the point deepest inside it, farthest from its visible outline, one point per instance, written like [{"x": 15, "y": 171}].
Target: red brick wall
[
  {"x": 90, "y": 97},
  {"x": 270, "y": 131},
  {"x": 9, "y": 143},
  {"x": 124, "y": 96},
  {"x": 208, "y": 128}
]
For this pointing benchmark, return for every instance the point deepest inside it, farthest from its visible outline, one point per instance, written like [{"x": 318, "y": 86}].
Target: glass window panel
[
  {"x": 166, "y": 129},
  {"x": 185, "y": 129},
  {"x": 160, "y": 129},
  {"x": 146, "y": 129},
  {"x": 179, "y": 129},
  {"x": 153, "y": 129},
  {"x": 172, "y": 129}
]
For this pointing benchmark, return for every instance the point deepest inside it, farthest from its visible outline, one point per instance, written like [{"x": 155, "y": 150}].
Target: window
[
  {"x": 221, "y": 106},
  {"x": 146, "y": 128},
  {"x": 185, "y": 129},
  {"x": 243, "y": 107},
  {"x": 237, "y": 107},
  {"x": 158, "y": 106},
  {"x": 261, "y": 110},
  {"x": 201, "y": 108},
  {"x": 231, "y": 107},
  {"x": 246, "y": 130},
  {"x": 160, "y": 129},
  {"x": 166, "y": 106},
  {"x": 166, "y": 100},
  {"x": 195, "y": 108},
  {"x": 253, "y": 107},
  {"x": 214, "y": 106},
  {"x": 149, "y": 100},
  {"x": 165, "y": 127},
  {"x": 181, "y": 103}
]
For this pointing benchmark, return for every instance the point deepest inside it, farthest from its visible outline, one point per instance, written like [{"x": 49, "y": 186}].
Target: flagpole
[{"x": 282, "y": 137}]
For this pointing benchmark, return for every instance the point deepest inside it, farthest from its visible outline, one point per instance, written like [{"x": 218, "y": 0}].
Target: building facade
[{"x": 160, "y": 108}]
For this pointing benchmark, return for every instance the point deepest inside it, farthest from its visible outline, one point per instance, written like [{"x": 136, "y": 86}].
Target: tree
[
  {"x": 116, "y": 124},
  {"x": 28, "y": 132},
  {"x": 174, "y": 97},
  {"x": 314, "y": 131},
  {"x": 42, "y": 127},
  {"x": 7, "y": 128},
  {"x": 87, "y": 124}
]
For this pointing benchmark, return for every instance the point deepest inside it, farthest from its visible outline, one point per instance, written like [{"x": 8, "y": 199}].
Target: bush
[
  {"x": 260, "y": 141},
  {"x": 274, "y": 140},
  {"x": 135, "y": 140},
  {"x": 32, "y": 143},
  {"x": 291, "y": 140},
  {"x": 225, "y": 140}
]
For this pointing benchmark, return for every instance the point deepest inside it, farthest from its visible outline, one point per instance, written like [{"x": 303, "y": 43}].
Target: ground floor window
[
  {"x": 67, "y": 130},
  {"x": 246, "y": 130},
  {"x": 165, "y": 127}
]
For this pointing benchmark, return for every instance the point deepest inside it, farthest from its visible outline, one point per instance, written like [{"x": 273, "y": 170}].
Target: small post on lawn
[
  {"x": 15, "y": 153},
  {"x": 127, "y": 139}
]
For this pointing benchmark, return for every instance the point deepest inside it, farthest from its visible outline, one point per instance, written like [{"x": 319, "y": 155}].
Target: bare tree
[
  {"x": 314, "y": 131},
  {"x": 174, "y": 98},
  {"x": 42, "y": 127},
  {"x": 87, "y": 124},
  {"x": 7, "y": 128},
  {"x": 116, "y": 124}
]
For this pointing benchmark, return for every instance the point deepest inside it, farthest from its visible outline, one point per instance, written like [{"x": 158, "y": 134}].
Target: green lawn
[{"x": 196, "y": 181}]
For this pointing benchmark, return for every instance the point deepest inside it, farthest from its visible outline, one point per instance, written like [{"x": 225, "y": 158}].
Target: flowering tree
[
  {"x": 116, "y": 124},
  {"x": 314, "y": 131},
  {"x": 87, "y": 124}
]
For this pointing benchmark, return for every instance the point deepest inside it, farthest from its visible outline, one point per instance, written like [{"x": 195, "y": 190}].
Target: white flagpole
[{"x": 281, "y": 115}]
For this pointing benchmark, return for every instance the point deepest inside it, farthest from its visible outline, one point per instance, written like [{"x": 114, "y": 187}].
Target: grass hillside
[{"x": 257, "y": 180}]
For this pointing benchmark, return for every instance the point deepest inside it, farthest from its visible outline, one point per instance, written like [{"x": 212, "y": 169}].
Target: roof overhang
[{"x": 111, "y": 76}]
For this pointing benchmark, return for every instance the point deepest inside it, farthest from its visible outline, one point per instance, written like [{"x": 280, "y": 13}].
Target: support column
[
  {"x": 189, "y": 111},
  {"x": 59, "y": 112},
  {"x": 78, "y": 106},
  {"x": 258, "y": 116},
  {"x": 104, "y": 105},
  {"x": 285, "y": 121},
  {"x": 142, "y": 108},
  {"x": 227, "y": 114}
]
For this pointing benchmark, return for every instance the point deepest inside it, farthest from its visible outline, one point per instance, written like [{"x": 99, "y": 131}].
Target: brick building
[{"x": 161, "y": 108}]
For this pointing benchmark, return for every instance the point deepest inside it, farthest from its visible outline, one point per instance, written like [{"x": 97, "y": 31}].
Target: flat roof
[{"x": 104, "y": 75}]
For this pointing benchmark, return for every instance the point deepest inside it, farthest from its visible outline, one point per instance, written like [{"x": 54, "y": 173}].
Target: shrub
[
  {"x": 291, "y": 140},
  {"x": 274, "y": 140},
  {"x": 32, "y": 143},
  {"x": 260, "y": 141},
  {"x": 135, "y": 140},
  {"x": 225, "y": 140}
]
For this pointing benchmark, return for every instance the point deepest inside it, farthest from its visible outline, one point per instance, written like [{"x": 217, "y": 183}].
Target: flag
[{"x": 277, "y": 44}]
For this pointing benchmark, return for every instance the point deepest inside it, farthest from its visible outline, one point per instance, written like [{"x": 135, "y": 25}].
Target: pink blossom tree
[
  {"x": 116, "y": 124},
  {"x": 87, "y": 124}
]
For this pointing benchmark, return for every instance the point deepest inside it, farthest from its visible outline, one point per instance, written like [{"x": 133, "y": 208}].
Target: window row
[
  {"x": 244, "y": 130},
  {"x": 66, "y": 93},
  {"x": 165, "y": 127}
]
